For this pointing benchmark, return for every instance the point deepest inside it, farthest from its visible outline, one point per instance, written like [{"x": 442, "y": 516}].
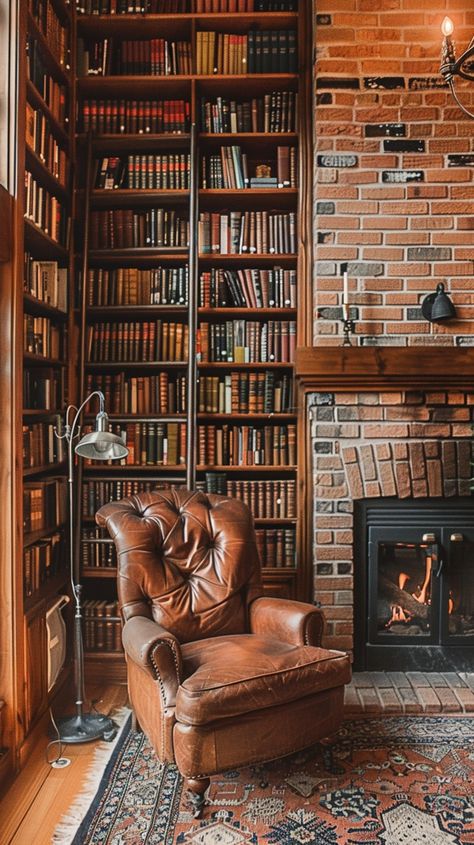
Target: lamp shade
[{"x": 101, "y": 445}]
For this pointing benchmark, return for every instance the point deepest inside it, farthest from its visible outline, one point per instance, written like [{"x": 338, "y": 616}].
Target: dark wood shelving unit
[
  {"x": 282, "y": 580},
  {"x": 30, "y": 699}
]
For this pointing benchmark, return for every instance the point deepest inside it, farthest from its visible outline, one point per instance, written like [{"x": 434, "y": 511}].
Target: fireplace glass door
[
  {"x": 414, "y": 582},
  {"x": 404, "y": 586}
]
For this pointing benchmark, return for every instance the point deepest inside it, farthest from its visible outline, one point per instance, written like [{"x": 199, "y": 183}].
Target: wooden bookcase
[
  {"x": 100, "y": 482},
  {"x": 42, "y": 378}
]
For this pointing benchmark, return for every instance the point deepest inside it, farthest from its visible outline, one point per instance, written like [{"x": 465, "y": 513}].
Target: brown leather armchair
[{"x": 219, "y": 675}]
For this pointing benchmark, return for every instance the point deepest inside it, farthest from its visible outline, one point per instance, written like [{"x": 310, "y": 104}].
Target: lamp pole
[{"x": 98, "y": 445}]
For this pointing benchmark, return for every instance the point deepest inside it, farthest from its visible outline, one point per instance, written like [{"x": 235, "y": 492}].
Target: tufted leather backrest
[{"x": 187, "y": 560}]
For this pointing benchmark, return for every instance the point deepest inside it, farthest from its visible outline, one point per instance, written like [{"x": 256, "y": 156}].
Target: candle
[{"x": 345, "y": 297}]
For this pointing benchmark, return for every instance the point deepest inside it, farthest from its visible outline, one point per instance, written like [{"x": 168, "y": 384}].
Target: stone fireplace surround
[{"x": 380, "y": 423}]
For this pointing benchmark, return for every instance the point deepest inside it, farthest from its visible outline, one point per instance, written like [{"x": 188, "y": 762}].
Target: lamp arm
[
  {"x": 454, "y": 93},
  {"x": 81, "y": 408}
]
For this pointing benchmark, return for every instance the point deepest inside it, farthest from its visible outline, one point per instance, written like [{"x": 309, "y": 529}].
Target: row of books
[
  {"x": 96, "y": 549},
  {"x": 259, "y": 51},
  {"x": 151, "y": 57},
  {"x": 249, "y": 288},
  {"x": 169, "y": 7},
  {"x": 160, "y": 172},
  {"x": 230, "y": 169},
  {"x": 132, "y": 117},
  {"x": 247, "y": 341},
  {"x": 137, "y": 341},
  {"x": 98, "y": 493},
  {"x": 274, "y": 112},
  {"x": 46, "y": 281},
  {"x": 265, "y": 499},
  {"x": 45, "y": 210},
  {"x": 41, "y": 561},
  {"x": 44, "y": 504},
  {"x": 125, "y": 228},
  {"x": 102, "y": 626},
  {"x": 276, "y": 546},
  {"x": 245, "y": 393},
  {"x": 53, "y": 94},
  {"x": 150, "y": 443},
  {"x": 132, "y": 286},
  {"x": 132, "y": 7},
  {"x": 42, "y": 337},
  {"x": 163, "y": 393},
  {"x": 43, "y": 389},
  {"x": 41, "y": 446},
  {"x": 239, "y": 232},
  {"x": 245, "y": 445},
  {"x": 41, "y": 140},
  {"x": 44, "y": 13}
]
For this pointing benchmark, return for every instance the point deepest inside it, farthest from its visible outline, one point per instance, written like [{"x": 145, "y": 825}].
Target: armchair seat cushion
[{"x": 228, "y": 676}]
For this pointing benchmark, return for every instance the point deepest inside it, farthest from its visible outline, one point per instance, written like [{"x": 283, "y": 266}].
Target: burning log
[{"x": 395, "y": 596}]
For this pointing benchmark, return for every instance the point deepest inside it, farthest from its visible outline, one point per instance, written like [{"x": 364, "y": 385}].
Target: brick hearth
[{"x": 411, "y": 693}]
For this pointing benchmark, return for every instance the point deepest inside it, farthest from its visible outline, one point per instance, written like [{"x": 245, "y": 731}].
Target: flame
[
  {"x": 422, "y": 595},
  {"x": 398, "y": 615},
  {"x": 450, "y": 604},
  {"x": 402, "y": 579},
  {"x": 447, "y": 27}
]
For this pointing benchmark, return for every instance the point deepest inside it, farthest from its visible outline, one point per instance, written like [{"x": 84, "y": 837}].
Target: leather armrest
[
  {"x": 156, "y": 650},
  {"x": 290, "y": 621}
]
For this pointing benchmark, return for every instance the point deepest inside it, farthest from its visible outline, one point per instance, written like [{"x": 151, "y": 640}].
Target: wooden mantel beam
[{"x": 384, "y": 368}]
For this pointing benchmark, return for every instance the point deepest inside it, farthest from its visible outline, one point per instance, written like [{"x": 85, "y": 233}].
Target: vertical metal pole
[{"x": 191, "y": 392}]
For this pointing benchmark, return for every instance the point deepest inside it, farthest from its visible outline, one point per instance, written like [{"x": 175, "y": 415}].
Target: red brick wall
[
  {"x": 371, "y": 445},
  {"x": 397, "y": 203}
]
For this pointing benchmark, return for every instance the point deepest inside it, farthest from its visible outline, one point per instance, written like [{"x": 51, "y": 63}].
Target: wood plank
[
  {"x": 359, "y": 367},
  {"x": 40, "y": 795}
]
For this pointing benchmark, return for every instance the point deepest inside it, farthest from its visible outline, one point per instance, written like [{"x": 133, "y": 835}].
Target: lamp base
[{"x": 75, "y": 729}]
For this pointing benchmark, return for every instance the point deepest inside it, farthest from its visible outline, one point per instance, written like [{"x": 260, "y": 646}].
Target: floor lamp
[{"x": 97, "y": 445}]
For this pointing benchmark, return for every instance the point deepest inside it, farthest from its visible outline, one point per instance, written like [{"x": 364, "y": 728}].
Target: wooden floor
[{"x": 40, "y": 795}]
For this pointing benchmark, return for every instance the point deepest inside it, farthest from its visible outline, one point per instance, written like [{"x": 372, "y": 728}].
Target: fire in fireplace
[{"x": 414, "y": 584}]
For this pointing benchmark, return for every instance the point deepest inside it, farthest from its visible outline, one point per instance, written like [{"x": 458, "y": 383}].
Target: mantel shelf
[{"x": 359, "y": 368}]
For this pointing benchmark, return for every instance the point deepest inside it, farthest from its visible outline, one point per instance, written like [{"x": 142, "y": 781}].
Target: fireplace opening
[{"x": 414, "y": 584}]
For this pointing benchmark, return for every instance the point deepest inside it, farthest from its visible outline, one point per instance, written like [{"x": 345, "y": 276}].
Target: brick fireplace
[{"x": 384, "y": 425}]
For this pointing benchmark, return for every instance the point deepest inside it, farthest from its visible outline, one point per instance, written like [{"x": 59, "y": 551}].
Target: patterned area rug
[{"x": 400, "y": 780}]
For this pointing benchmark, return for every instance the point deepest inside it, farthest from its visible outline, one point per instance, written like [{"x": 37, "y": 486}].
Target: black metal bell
[{"x": 438, "y": 306}]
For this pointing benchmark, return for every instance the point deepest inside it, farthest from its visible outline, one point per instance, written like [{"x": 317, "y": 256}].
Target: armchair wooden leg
[{"x": 196, "y": 787}]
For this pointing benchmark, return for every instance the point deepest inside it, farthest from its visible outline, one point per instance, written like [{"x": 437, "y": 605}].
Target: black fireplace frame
[{"x": 399, "y": 514}]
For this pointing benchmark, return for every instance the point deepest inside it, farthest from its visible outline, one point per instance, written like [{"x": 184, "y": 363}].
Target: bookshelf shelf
[
  {"x": 31, "y": 537},
  {"x": 35, "y": 99},
  {"x": 42, "y": 244},
  {"x": 30, "y": 358},
  {"x": 142, "y": 254},
  {"x": 35, "y": 306},
  {"x": 128, "y": 197},
  {"x": 55, "y": 469},
  {"x": 251, "y": 259},
  {"x": 138, "y": 417},
  {"x": 136, "y": 142},
  {"x": 124, "y": 85},
  {"x": 106, "y": 468},
  {"x": 272, "y": 313},
  {"x": 280, "y": 198},
  {"x": 49, "y": 588},
  {"x": 267, "y": 469},
  {"x": 257, "y": 139},
  {"x": 246, "y": 418},
  {"x": 99, "y": 572},
  {"x": 136, "y": 365},
  {"x": 233, "y": 365},
  {"x": 42, "y": 413},
  {"x": 97, "y": 311},
  {"x": 41, "y": 172}
]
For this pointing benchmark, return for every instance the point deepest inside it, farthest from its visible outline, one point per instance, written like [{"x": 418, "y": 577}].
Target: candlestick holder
[{"x": 348, "y": 329}]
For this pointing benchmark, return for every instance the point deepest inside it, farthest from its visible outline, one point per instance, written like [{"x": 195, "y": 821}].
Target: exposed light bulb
[{"x": 447, "y": 27}]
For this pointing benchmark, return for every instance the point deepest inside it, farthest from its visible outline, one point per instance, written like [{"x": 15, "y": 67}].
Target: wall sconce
[
  {"x": 437, "y": 306},
  {"x": 451, "y": 67}
]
